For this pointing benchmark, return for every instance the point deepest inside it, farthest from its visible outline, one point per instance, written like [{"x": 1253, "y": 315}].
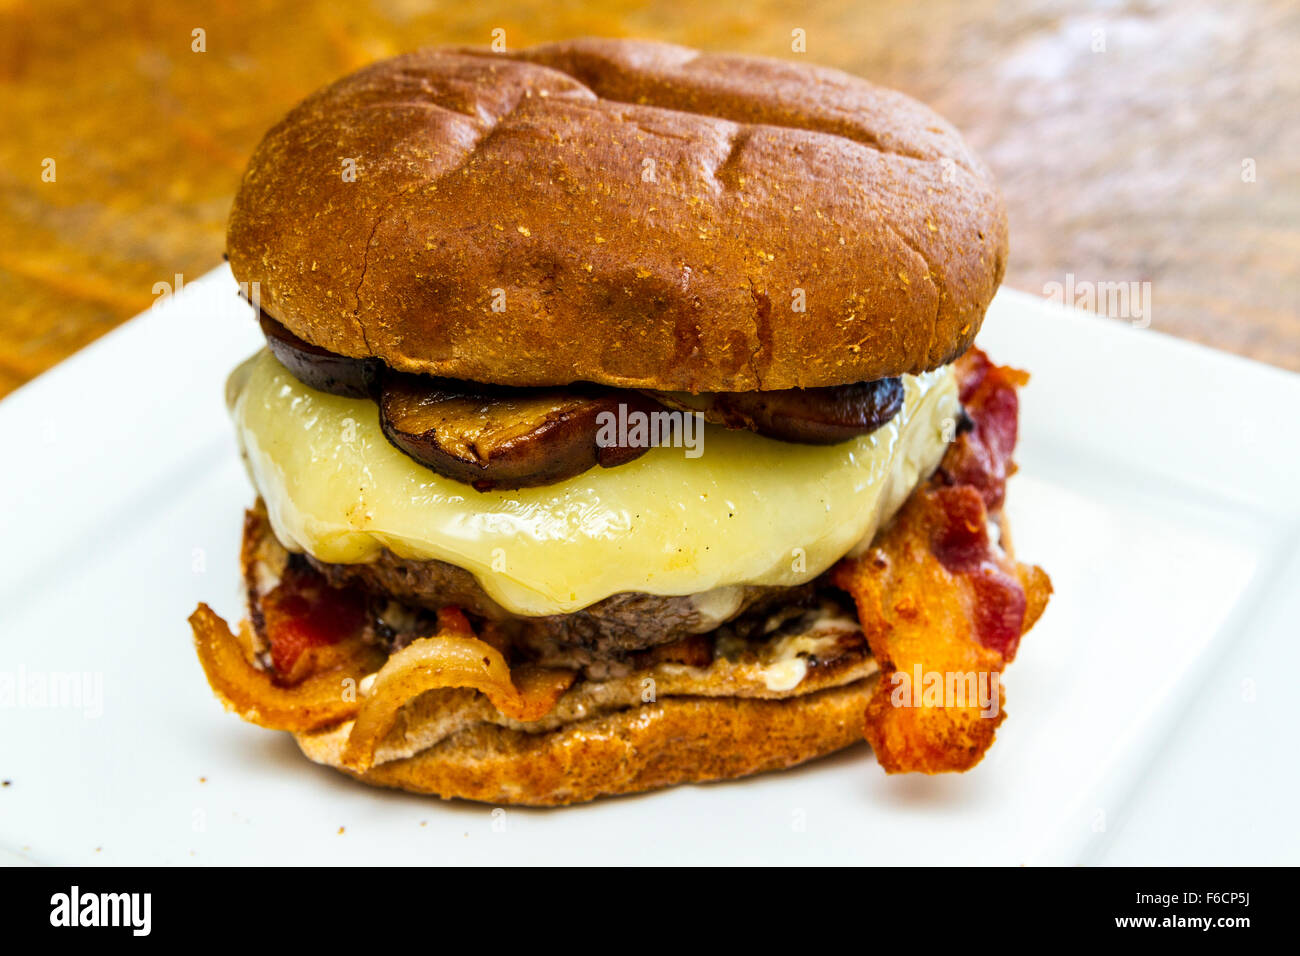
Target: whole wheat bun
[
  {"x": 675, "y": 740},
  {"x": 646, "y": 216}
]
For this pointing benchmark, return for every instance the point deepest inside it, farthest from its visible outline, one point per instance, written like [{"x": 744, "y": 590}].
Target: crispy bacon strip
[
  {"x": 322, "y": 699},
  {"x": 937, "y": 597},
  {"x": 981, "y": 456},
  {"x": 451, "y": 658},
  {"x": 307, "y": 623}
]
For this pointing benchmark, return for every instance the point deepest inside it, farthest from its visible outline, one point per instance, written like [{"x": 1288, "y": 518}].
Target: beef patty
[{"x": 607, "y": 630}]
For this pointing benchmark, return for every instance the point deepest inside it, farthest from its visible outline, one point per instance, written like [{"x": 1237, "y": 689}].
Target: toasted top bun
[{"x": 629, "y": 213}]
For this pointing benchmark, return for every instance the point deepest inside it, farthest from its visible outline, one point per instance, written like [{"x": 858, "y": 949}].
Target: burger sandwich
[{"x": 619, "y": 426}]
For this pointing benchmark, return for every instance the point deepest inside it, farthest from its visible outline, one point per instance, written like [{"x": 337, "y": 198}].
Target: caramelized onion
[
  {"x": 323, "y": 699},
  {"x": 449, "y": 659}
]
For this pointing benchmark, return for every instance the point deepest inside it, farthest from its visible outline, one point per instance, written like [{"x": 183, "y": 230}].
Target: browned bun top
[{"x": 622, "y": 212}]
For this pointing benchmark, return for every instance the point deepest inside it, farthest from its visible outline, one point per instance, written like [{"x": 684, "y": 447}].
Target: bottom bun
[{"x": 675, "y": 740}]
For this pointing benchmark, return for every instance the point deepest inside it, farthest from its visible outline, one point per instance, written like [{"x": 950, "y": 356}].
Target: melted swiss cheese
[{"x": 749, "y": 510}]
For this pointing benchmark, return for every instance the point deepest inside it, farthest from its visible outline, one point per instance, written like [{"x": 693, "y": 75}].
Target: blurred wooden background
[{"x": 1123, "y": 134}]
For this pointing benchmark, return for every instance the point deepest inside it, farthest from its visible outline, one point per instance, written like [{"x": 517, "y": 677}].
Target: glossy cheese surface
[{"x": 748, "y": 510}]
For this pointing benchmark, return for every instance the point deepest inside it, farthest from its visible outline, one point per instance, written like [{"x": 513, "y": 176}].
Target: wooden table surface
[{"x": 1135, "y": 142}]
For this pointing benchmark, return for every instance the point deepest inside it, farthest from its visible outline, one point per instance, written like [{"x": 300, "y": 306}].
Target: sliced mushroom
[
  {"x": 498, "y": 437},
  {"x": 811, "y": 416},
  {"x": 492, "y": 437},
  {"x": 316, "y": 368}
]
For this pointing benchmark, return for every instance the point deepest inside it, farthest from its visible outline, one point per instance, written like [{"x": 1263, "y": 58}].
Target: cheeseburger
[{"x": 619, "y": 426}]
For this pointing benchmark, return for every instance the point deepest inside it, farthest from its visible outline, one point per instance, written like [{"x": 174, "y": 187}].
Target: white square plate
[{"x": 1149, "y": 710}]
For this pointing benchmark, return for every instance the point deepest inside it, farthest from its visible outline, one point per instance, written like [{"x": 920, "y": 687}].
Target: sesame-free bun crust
[
  {"x": 624, "y": 212},
  {"x": 675, "y": 740}
]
